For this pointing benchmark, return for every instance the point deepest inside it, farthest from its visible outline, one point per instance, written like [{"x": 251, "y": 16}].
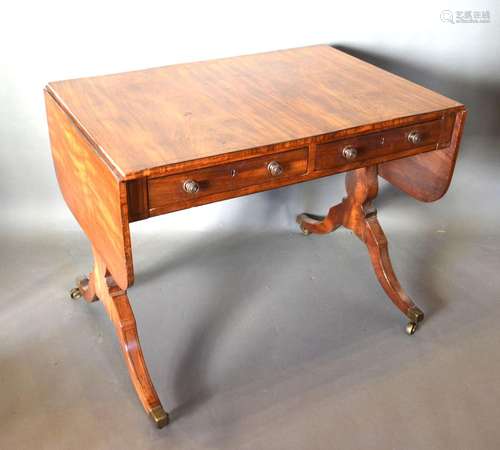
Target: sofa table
[{"x": 135, "y": 145}]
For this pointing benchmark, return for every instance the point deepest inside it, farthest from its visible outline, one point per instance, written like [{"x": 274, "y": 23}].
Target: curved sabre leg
[
  {"x": 310, "y": 223},
  {"x": 357, "y": 213},
  {"x": 100, "y": 286},
  {"x": 376, "y": 243}
]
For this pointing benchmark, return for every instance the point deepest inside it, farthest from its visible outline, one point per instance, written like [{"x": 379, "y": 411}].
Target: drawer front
[
  {"x": 384, "y": 143},
  {"x": 170, "y": 189}
]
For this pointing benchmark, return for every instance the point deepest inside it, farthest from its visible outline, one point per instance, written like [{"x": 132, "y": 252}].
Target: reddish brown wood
[
  {"x": 124, "y": 144},
  {"x": 116, "y": 303},
  {"x": 92, "y": 192},
  {"x": 357, "y": 213},
  {"x": 434, "y": 134},
  {"x": 137, "y": 199},
  {"x": 426, "y": 177},
  {"x": 145, "y": 122},
  {"x": 86, "y": 288},
  {"x": 163, "y": 191}
]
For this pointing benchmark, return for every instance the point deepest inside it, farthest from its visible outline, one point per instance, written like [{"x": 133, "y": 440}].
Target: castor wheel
[
  {"x": 75, "y": 293},
  {"x": 304, "y": 231},
  {"x": 308, "y": 219},
  {"x": 411, "y": 328}
]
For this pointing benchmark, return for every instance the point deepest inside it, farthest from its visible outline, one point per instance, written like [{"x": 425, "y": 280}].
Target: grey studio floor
[{"x": 261, "y": 338}]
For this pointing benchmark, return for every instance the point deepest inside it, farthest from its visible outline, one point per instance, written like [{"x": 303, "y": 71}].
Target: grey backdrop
[{"x": 256, "y": 337}]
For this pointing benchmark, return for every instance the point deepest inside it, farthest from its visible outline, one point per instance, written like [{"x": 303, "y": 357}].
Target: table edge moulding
[{"x": 134, "y": 145}]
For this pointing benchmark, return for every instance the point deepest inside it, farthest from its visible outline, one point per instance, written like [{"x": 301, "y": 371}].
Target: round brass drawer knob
[
  {"x": 191, "y": 186},
  {"x": 415, "y": 137},
  {"x": 349, "y": 152},
  {"x": 274, "y": 168}
]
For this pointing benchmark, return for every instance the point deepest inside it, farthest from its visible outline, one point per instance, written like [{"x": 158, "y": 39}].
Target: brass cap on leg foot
[
  {"x": 415, "y": 314},
  {"x": 159, "y": 416}
]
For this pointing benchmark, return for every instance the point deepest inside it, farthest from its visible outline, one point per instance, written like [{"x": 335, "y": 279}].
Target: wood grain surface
[
  {"x": 426, "y": 176},
  {"x": 357, "y": 213},
  {"x": 117, "y": 305},
  {"x": 171, "y": 118},
  {"x": 124, "y": 145},
  {"x": 434, "y": 134},
  {"x": 163, "y": 194},
  {"x": 163, "y": 191},
  {"x": 92, "y": 192}
]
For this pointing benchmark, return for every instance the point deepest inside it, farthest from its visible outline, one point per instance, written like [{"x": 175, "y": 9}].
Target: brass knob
[
  {"x": 349, "y": 152},
  {"x": 191, "y": 186},
  {"x": 415, "y": 137},
  {"x": 274, "y": 168}
]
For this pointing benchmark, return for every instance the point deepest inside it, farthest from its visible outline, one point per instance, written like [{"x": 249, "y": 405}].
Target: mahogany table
[{"x": 135, "y": 145}]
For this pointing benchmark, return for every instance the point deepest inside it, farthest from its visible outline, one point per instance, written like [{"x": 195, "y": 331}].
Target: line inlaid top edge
[
  {"x": 148, "y": 119},
  {"x": 247, "y": 153}
]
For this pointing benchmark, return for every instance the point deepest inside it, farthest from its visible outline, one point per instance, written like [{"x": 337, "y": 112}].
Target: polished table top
[
  {"x": 160, "y": 117},
  {"x": 130, "y": 146}
]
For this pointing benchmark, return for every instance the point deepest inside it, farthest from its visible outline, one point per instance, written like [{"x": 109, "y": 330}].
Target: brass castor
[
  {"x": 159, "y": 416},
  {"x": 75, "y": 293},
  {"x": 411, "y": 328},
  {"x": 305, "y": 232},
  {"x": 304, "y": 217}
]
